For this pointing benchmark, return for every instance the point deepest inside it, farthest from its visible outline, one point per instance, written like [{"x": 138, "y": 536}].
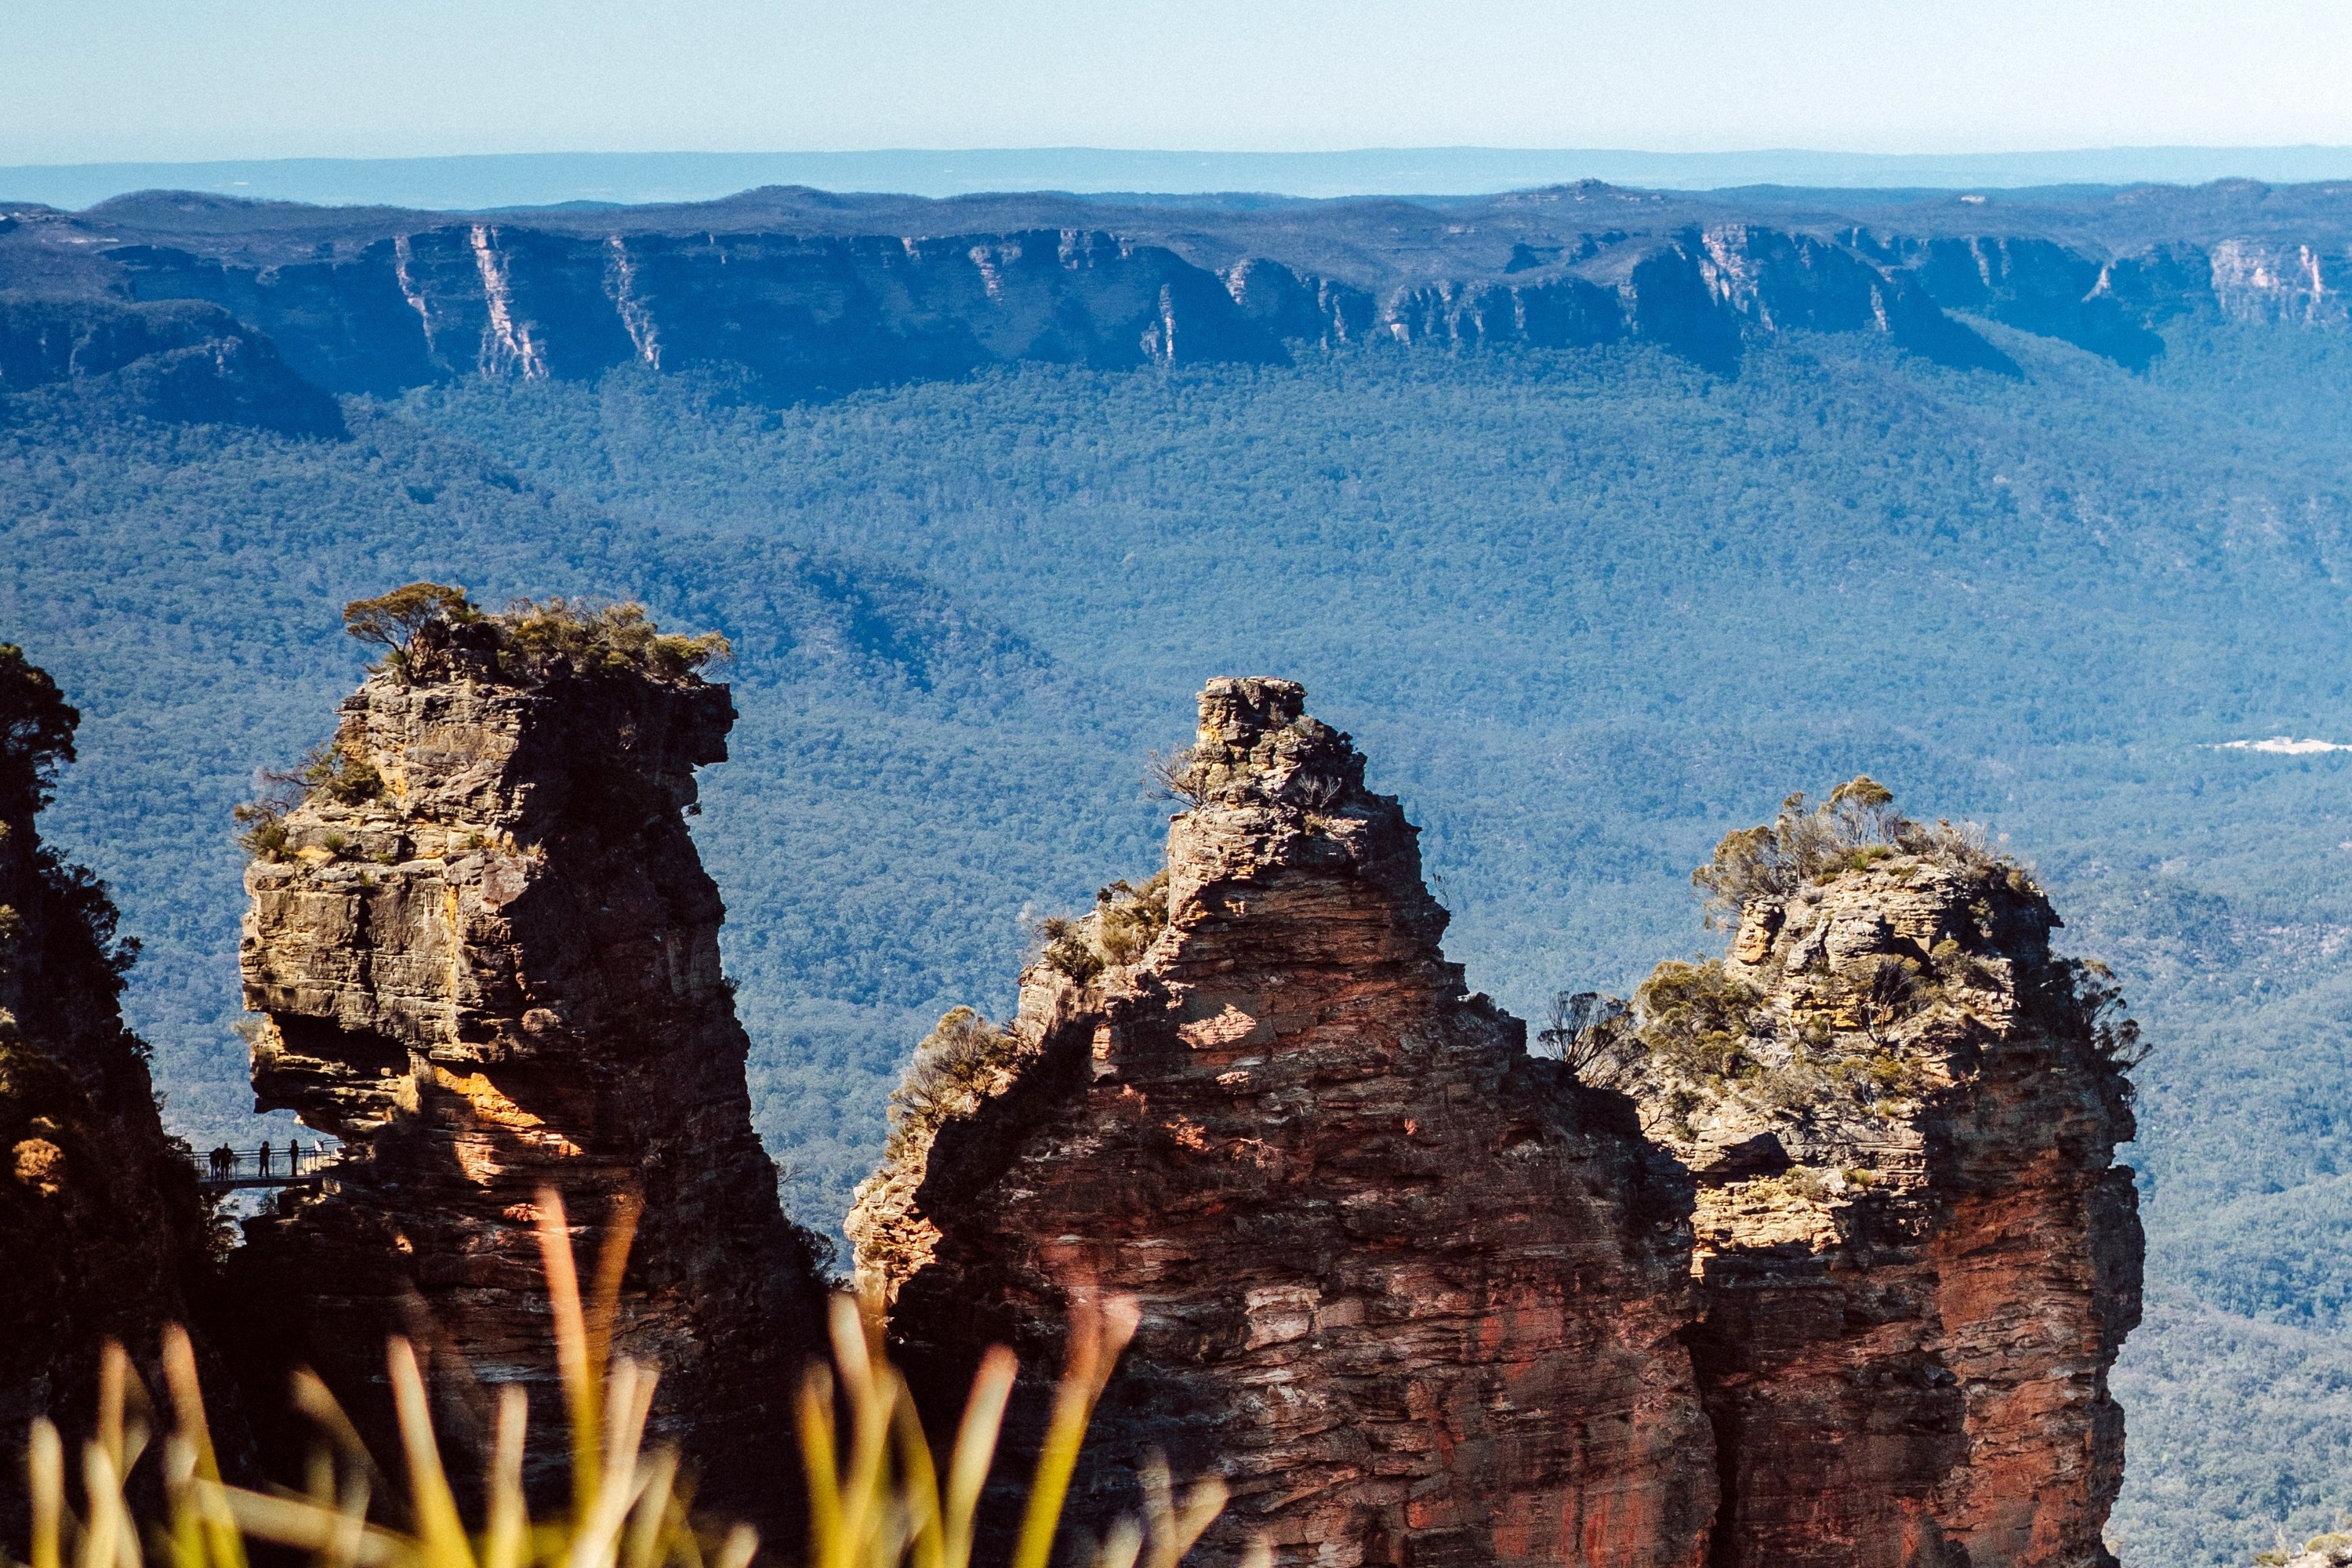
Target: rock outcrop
[
  {"x": 179, "y": 360},
  {"x": 2330, "y": 1550},
  {"x": 1417, "y": 1295},
  {"x": 802, "y": 293},
  {"x": 486, "y": 957},
  {"x": 1916, "y": 1258},
  {"x": 101, "y": 1226}
]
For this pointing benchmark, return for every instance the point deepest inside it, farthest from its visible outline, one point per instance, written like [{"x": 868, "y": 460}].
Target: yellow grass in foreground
[{"x": 877, "y": 1498}]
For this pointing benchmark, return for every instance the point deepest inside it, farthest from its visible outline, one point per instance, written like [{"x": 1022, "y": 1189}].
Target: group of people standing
[{"x": 268, "y": 1161}]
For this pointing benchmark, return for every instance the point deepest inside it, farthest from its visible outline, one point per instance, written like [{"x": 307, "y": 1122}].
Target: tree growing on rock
[{"x": 393, "y": 621}]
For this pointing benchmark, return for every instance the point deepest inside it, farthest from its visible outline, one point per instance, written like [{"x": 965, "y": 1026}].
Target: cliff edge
[
  {"x": 101, "y": 1226},
  {"x": 485, "y": 955}
]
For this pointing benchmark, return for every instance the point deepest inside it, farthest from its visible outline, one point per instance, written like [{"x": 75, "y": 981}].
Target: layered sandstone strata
[
  {"x": 100, "y": 1224},
  {"x": 1916, "y": 1258},
  {"x": 1417, "y": 1295},
  {"x": 485, "y": 953}
]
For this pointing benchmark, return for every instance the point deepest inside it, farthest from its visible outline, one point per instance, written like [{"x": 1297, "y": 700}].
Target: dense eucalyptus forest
[{"x": 1589, "y": 608}]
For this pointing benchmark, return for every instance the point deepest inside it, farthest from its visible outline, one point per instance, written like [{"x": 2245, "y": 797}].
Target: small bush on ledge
[{"x": 430, "y": 630}]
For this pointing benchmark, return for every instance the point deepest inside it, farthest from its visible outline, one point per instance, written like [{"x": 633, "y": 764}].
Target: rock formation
[
  {"x": 486, "y": 956},
  {"x": 1916, "y": 1258},
  {"x": 2331, "y": 1550},
  {"x": 100, "y": 1223},
  {"x": 1416, "y": 1294},
  {"x": 806, "y": 293}
]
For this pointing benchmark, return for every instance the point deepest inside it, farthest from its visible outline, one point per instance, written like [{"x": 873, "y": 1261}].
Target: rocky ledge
[
  {"x": 485, "y": 955},
  {"x": 1916, "y": 1258},
  {"x": 1418, "y": 1295}
]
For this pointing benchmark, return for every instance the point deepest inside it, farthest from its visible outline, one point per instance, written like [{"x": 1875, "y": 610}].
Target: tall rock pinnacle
[
  {"x": 486, "y": 956},
  {"x": 1918, "y": 1259},
  {"x": 102, "y": 1229},
  {"x": 1415, "y": 1294}
]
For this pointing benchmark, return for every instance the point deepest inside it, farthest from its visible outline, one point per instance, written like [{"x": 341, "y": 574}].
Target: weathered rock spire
[
  {"x": 486, "y": 956},
  {"x": 1415, "y": 1294},
  {"x": 1918, "y": 1259},
  {"x": 102, "y": 1230}
]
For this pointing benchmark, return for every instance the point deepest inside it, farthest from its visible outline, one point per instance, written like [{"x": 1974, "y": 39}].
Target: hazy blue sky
[{"x": 105, "y": 79}]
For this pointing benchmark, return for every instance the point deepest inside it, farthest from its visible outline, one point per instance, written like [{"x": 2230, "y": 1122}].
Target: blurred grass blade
[
  {"x": 506, "y": 1539},
  {"x": 439, "y": 1528},
  {"x": 611, "y": 1267},
  {"x": 224, "y": 1547},
  {"x": 984, "y": 1414},
  {"x": 919, "y": 1485},
  {"x": 1202, "y": 1505},
  {"x": 742, "y": 1544},
  {"x": 108, "y": 1539},
  {"x": 629, "y": 1392},
  {"x": 293, "y": 1521},
  {"x": 113, "y": 1372},
  {"x": 45, "y": 1473},
  {"x": 815, "y": 1408},
  {"x": 315, "y": 1400},
  {"x": 1098, "y": 1333},
  {"x": 570, "y": 1348},
  {"x": 650, "y": 1522},
  {"x": 1122, "y": 1546},
  {"x": 864, "y": 1489}
]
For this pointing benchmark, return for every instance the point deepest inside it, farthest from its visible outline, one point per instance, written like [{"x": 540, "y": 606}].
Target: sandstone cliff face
[
  {"x": 486, "y": 957},
  {"x": 1916, "y": 1259},
  {"x": 1414, "y": 1293},
  {"x": 100, "y": 1226}
]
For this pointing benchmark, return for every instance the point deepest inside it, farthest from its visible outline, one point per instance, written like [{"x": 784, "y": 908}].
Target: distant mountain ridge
[
  {"x": 810, "y": 293},
  {"x": 484, "y": 182}
]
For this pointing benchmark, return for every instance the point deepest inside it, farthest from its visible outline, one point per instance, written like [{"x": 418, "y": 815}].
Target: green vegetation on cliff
[{"x": 1589, "y": 609}]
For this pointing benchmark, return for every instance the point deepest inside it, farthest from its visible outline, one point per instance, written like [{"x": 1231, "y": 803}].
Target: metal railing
[{"x": 282, "y": 1165}]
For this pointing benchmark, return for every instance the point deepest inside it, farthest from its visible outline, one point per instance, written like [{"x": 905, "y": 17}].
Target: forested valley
[{"x": 1587, "y": 609}]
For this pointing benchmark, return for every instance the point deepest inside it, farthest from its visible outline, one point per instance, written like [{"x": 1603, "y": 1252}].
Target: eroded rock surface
[
  {"x": 102, "y": 1230},
  {"x": 1916, "y": 1258},
  {"x": 1414, "y": 1293},
  {"x": 486, "y": 956}
]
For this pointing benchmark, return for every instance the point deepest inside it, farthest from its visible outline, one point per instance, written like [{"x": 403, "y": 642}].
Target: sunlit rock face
[
  {"x": 1415, "y": 1294},
  {"x": 1916, "y": 1258},
  {"x": 494, "y": 968}
]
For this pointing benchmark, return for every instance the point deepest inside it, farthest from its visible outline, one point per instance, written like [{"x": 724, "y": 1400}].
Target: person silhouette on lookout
[{"x": 265, "y": 1156}]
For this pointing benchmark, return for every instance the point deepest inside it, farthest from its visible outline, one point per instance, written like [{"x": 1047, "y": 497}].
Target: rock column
[
  {"x": 101, "y": 1229},
  {"x": 486, "y": 957},
  {"x": 1415, "y": 1294},
  {"x": 1918, "y": 1259}
]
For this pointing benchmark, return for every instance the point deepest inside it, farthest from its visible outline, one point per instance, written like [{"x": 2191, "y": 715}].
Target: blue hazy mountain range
[
  {"x": 1603, "y": 517},
  {"x": 494, "y": 180}
]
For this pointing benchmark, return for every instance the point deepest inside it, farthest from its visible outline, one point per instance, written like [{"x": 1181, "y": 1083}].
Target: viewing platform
[{"x": 286, "y": 1166}]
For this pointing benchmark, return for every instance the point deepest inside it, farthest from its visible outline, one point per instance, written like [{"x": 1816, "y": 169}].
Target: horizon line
[{"x": 1387, "y": 149}]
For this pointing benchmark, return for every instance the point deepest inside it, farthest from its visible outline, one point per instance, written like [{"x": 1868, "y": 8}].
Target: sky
[{"x": 94, "y": 80}]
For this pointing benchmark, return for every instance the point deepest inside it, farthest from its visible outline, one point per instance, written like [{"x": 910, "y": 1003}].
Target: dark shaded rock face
[
  {"x": 497, "y": 973},
  {"x": 1415, "y": 1294},
  {"x": 102, "y": 1229},
  {"x": 1916, "y": 1258},
  {"x": 180, "y": 359}
]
